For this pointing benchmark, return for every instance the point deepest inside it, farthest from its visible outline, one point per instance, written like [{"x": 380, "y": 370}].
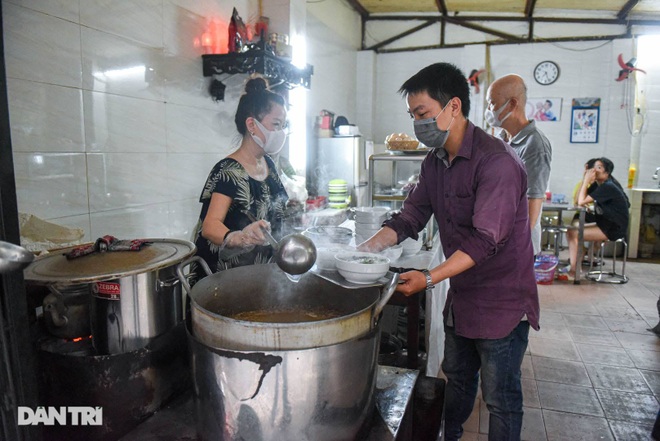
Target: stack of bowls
[
  {"x": 368, "y": 221},
  {"x": 329, "y": 240},
  {"x": 328, "y": 235},
  {"x": 338, "y": 193},
  {"x": 411, "y": 246},
  {"x": 393, "y": 252},
  {"x": 325, "y": 255}
]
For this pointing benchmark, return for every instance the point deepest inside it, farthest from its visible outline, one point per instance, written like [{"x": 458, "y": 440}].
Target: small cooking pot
[
  {"x": 218, "y": 298},
  {"x": 66, "y": 311}
]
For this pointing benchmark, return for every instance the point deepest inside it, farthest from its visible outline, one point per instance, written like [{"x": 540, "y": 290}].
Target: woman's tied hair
[{"x": 256, "y": 102}]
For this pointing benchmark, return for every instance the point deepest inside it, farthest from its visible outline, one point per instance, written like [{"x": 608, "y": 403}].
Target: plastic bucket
[{"x": 544, "y": 268}]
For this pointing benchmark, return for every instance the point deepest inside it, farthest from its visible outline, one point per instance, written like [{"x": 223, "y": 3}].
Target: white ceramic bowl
[
  {"x": 392, "y": 253},
  {"x": 358, "y": 267},
  {"x": 328, "y": 235},
  {"x": 325, "y": 256},
  {"x": 411, "y": 247},
  {"x": 359, "y": 239},
  {"x": 360, "y": 278},
  {"x": 367, "y": 231},
  {"x": 371, "y": 214},
  {"x": 371, "y": 211},
  {"x": 363, "y": 236},
  {"x": 368, "y": 225},
  {"x": 370, "y": 221}
]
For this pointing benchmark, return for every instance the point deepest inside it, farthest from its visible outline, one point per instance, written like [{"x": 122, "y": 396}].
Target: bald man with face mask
[{"x": 506, "y": 99}]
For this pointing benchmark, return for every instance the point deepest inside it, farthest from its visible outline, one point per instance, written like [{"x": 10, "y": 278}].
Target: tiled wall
[
  {"x": 588, "y": 69},
  {"x": 649, "y": 158},
  {"x": 113, "y": 130},
  {"x": 334, "y": 60}
]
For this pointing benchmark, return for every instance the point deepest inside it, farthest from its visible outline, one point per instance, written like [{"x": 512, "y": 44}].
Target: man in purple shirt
[{"x": 476, "y": 187}]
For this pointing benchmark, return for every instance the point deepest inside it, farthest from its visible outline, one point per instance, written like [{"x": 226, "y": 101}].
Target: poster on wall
[
  {"x": 543, "y": 109},
  {"x": 585, "y": 113}
]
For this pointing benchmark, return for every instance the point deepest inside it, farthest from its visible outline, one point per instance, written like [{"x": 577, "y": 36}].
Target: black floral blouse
[{"x": 264, "y": 199}]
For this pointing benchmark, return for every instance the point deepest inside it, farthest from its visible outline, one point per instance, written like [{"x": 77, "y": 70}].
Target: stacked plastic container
[{"x": 338, "y": 194}]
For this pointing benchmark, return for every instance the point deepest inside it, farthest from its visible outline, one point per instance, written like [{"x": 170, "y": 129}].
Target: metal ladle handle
[
  {"x": 269, "y": 236},
  {"x": 13, "y": 257}
]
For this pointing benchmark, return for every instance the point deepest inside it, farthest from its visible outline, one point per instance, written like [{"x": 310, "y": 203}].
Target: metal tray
[{"x": 336, "y": 278}]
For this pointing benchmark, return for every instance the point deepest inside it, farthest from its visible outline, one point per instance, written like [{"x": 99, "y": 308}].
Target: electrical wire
[
  {"x": 579, "y": 50},
  {"x": 628, "y": 104}
]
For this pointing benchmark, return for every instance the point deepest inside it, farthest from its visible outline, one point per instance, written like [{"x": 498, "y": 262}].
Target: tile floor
[{"x": 593, "y": 370}]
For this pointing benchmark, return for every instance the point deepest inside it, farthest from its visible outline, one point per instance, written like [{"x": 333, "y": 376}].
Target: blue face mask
[{"x": 428, "y": 133}]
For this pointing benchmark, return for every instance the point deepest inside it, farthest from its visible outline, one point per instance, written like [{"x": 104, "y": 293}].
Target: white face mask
[
  {"x": 274, "y": 139},
  {"x": 493, "y": 116}
]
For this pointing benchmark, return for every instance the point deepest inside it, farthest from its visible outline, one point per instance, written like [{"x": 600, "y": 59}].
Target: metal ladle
[
  {"x": 295, "y": 254},
  {"x": 13, "y": 257}
]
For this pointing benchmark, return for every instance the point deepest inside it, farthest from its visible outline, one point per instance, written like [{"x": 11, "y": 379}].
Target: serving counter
[{"x": 435, "y": 303}]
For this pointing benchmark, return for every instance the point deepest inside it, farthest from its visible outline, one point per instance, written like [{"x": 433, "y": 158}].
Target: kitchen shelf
[
  {"x": 382, "y": 197},
  {"x": 277, "y": 70},
  {"x": 401, "y": 166},
  {"x": 396, "y": 171}
]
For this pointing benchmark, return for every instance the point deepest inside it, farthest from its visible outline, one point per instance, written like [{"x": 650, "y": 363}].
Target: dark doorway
[{"x": 18, "y": 381}]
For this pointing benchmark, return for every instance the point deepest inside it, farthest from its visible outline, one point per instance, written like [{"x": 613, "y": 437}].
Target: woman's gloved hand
[{"x": 249, "y": 236}]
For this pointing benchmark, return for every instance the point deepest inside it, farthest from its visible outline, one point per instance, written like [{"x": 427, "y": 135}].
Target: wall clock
[{"x": 546, "y": 72}]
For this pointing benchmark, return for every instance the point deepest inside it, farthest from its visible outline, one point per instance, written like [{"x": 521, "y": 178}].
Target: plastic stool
[
  {"x": 555, "y": 232},
  {"x": 603, "y": 276},
  {"x": 563, "y": 230}
]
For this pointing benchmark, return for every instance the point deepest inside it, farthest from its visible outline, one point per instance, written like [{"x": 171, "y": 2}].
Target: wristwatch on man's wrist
[{"x": 429, "y": 280}]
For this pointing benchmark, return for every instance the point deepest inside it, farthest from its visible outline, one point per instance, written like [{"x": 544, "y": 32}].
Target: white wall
[
  {"x": 333, "y": 83},
  {"x": 395, "y": 68},
  {"x": 341, "y": 20},
  {"x": 126, "y": 152},
  {"x": 112, "y": 127},
  {"x": 587, "y": 70},
  {"x": 649, "y": 85}
]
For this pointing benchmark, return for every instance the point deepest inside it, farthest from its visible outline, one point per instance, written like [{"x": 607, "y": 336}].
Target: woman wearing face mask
[
  {"x": 246, "y": 180},
  {"x": 611, "y": 208}
]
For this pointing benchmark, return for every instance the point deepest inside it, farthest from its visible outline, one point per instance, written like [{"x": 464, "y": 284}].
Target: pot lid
[{"x": 55, "y": 268}]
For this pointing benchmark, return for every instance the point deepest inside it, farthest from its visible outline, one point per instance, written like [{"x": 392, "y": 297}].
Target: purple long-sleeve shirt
[{"x": 480, "y": 204}]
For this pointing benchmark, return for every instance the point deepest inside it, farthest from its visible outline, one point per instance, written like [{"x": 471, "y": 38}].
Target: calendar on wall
[{"x": 585, "y": 114}]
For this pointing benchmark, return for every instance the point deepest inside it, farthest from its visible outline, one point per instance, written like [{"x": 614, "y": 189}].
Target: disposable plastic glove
[{"x": 249, "y": 236}]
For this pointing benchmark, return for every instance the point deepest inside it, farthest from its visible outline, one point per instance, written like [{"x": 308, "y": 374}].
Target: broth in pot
[{"x": 286, "y": 315}]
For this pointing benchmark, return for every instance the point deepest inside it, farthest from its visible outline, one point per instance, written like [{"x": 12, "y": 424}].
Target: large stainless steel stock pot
[
  {"x": 276, "y": 360},
  {"x": 257, "y": 307},
  {"x": 134, "y": 296}
]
